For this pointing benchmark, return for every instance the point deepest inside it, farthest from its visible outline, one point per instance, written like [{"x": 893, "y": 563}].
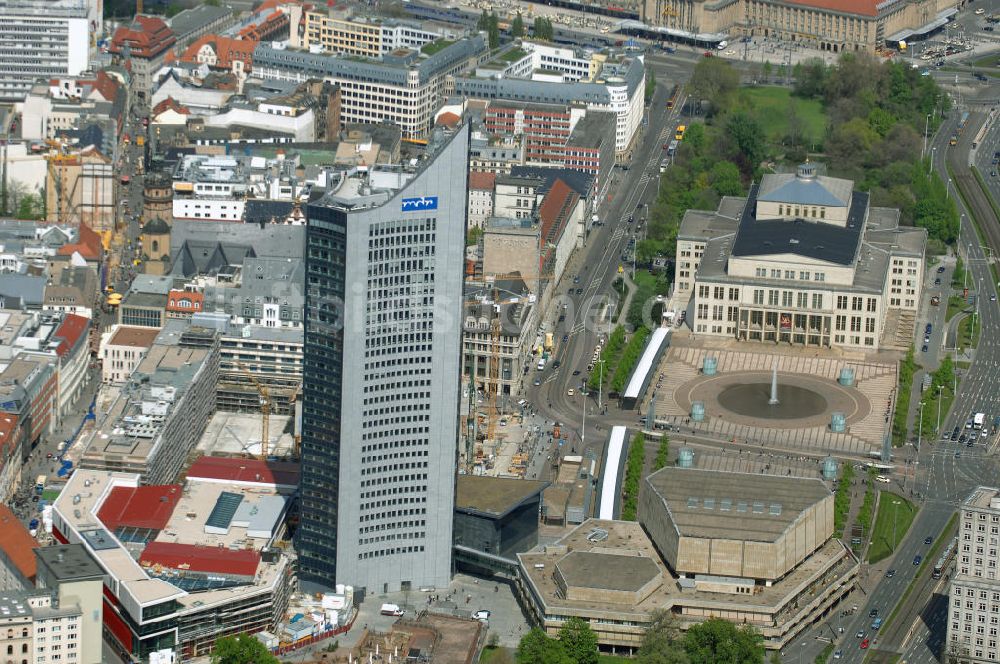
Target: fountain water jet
[{"x": 773, "y": 401}]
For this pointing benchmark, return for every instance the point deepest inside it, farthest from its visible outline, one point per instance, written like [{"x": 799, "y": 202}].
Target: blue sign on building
[{"x": 420, "y": 204}]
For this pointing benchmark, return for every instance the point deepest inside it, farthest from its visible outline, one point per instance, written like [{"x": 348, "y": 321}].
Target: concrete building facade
[
  {"x": 46, "y": 40},
  {"x": 381, "y": 376},
  {"x": 974, "y": 591},
  {"x": 803, "y": 260}
]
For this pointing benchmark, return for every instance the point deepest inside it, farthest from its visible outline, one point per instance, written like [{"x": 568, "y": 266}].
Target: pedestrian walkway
[{"x": 873, "y": 381}]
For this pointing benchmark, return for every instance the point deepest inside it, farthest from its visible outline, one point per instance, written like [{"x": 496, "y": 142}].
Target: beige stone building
[
  {"x": 855, "y": 25},
  {"x": 749, "y": 548},
  {"x": 804, "y": 260},
  {"x": 337, "y": 31},
  {"x": 79, "y": 187},
  {"x": 122, "y": 348}
]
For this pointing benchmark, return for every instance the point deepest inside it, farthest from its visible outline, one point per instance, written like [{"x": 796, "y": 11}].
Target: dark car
[
  {"x": 873, "y": 613},
  {"x": 923, "y": 349},
  {"x": 928, "y": 329},
  {"x": 576, "y": 373},
  {"x": 565, "y": 338},
  {"x": 940, "y": 269},
  {"x": 555, "y": 365},
  {"x": 579, "y": 291},
  {"x": 937, "y": 282},
  {"x": 958, "y": 455},
  {"x": 928, "y": 539},
  {"x": 962, "y": 438},
  {"x": 917, "y": 559},
  {"x": 890, "y": 573}
]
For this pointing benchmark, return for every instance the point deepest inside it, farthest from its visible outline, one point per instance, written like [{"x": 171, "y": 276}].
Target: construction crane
[
  {"x": 265, "y": 408},
  {"x": 57, "y": 163}
]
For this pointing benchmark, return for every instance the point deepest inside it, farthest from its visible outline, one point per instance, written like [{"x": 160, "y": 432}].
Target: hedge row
[
  {"x": 633, "y": 474},
  {"x": 661, "y": 453},
  {"x": 630, "y": 358},
  {"x": 842, "y": 500}
]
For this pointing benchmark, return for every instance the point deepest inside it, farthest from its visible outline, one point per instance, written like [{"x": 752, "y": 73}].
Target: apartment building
[
  {"x": 335, "y": 31},
  {"x": 803, "y": 260},
  {"x": 404, "y": 87},
  {"x": 41, "y": 40},
  {"x": 122, "y": 349},
  {"x": 974, "y": 591},
  {"x": 380, "y": 406}
]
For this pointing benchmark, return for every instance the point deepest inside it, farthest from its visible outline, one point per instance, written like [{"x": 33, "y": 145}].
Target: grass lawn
[
  {"x": 489, "y": 653},
  {"x": 969, "y": 331},
  {"x": 955, "y": 304},
  {"x": 892, "y": 519},
  {"x": 612, "y": 659},
  {"x": 513, "y": 55},
  {"x": 771, "y": 104},
  {"x": 430, "y": 48},
  {"x": 50, "y": 494}
]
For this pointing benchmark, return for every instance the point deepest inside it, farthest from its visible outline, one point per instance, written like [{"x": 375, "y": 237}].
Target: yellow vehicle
[
  {"x": 140, "y": 140},
  {"x": 680, "y": 132}
]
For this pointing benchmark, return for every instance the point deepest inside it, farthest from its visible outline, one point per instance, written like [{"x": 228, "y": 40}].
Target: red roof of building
[
  {"x": 183, "y": 301},
  {"x": 140, "y": 507},
  {"x": 554, "y": 210},
  {"x": 8, "y": 435},
  {"x": 106, "y": 85},
  {"x": 17, "y": 543},
  {"x": 146, "y": 37},
  {"x": 265, "y": 29},
  {"x": 447, "y": 119},
  {"x": 226, "y": 50},
  {"x": 172, "y": 104},
  {"x": 88, "y": 245},
  {"x": 482, "y": 181},
  {"x": 209, "y": 559},
  {"x": 70, "y": 332},
  {"x": 245, "y": 470},
  {"x": 862, "y": 7}
]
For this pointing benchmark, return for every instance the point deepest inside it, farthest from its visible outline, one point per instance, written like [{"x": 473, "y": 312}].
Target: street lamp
[
  {"x": 930, "y": 165},
  {"x": 927, "y": 123},
  {"x": 938, "y": 428},
  {"x": 895, "y": 511},
  {"x": 920, "y": 426}
]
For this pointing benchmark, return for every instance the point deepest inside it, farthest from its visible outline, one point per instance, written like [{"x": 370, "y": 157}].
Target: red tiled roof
[
  {"x": 175, "y": 297},
  {"x": 245, "y": 470},
  {"x": 210, "y": 559},
  {"x": 89, "y": 245},
  {"x": 862, "y": 7},
  {"x": 447, "y": 119},
  {"x": 482, "y": 181},
  {"x": 140, "y": 507},
  {"x": 17, "y": 543},
  {"x": 226, "y": 50},
  {"x": 146, "y": 37},
  {"x": 107, "y": 86},
  {"x": 558, "y": 198},
  {"x": 170, "y": 103},
  {"x": 72, "y": 329}
]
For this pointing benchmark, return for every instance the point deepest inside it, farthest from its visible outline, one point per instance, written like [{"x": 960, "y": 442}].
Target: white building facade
[
  {"x": 974, "y": 593},
  {"x": 43, "y": 40}
]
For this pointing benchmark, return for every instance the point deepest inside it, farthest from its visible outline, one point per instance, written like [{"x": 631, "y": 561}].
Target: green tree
[
  {"x": 517, "y": 27},
  {"x": 241, "y": 649},
  {"x": 493, "y": 31},
  {"x": 578, "y": 641},
  {"x": 717, "y": 640},
  {"x": 714, "y": 80},
  {"x": 31, "y": 206},
  {"x": 748, "y": 136},
  {"x": 725, "y": 179},
  {"x": 767, "y": 69},
  {"x": 543, "y": 28},
  {"x": 661, "y": 642},
  {"x": 537, "y": 648},
  {"x": 810, "y": 78},
  {"x": 483, "y": 24}
]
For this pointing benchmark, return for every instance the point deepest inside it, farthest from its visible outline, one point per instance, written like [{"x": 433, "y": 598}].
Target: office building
[
  {"x": 754, "y": 549},
  {"x": 182, "y": 564},
  {"x": 41, "y": 40},
  {"x": 382, "y": 372},
  {"x": 404, "y": 87},
  {"x": 804, "y": 260},
  {"x": 155, "y": 419},
  {"x": 335, "y": 31},
  {"x": 974, "y": 591},
  {"x": 866, "y": 25}
]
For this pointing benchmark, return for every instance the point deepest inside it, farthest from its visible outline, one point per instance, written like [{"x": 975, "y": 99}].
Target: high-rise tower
[{"x": 385, "y": 254}]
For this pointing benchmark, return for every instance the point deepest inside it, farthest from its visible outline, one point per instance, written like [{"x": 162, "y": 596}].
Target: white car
[
  {"x": 883, "y": 479},
  {"x": 482, "y": 615},
  {"x": 570, "y": 392}
]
